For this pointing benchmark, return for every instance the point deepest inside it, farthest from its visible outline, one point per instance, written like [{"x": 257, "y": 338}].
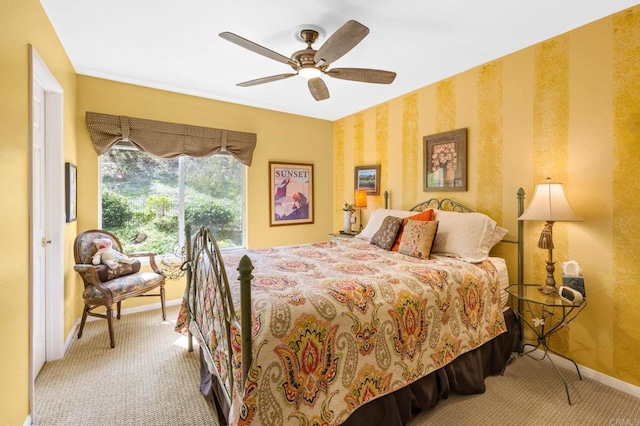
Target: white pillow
[
  {"x": 498, "y": 235},
  {"x": 464, "y": 235},
  {"x": 376, "y": 218}
]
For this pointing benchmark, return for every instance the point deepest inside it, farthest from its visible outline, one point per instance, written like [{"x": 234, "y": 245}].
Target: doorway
[{"x": 46, "y": 214}]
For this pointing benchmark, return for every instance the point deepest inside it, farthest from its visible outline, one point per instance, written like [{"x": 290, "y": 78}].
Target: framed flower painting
[{"x": 445, "y": 161}]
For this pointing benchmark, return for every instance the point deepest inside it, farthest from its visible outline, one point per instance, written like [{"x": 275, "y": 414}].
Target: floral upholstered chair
[{"x": 105, "y": 286}]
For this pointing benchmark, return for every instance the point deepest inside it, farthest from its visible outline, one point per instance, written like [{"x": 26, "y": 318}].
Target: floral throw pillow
[
  {"x": 386, "y": 234},
  {"x": 417, "y": 238}
]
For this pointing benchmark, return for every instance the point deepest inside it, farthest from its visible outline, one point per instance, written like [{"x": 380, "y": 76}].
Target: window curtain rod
[{"x": 168, "y": 140}]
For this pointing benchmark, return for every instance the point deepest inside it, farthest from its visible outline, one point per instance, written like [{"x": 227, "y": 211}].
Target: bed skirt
[{"x": 465, "y": 376}]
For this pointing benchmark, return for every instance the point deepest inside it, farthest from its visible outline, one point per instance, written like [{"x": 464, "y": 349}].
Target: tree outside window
[{"x": 146, "y": 200}]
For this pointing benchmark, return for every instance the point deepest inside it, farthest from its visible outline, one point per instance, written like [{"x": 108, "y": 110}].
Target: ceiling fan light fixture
[
  {"x": 311, "y": 63},
  {"x": 310, "y": 72}
]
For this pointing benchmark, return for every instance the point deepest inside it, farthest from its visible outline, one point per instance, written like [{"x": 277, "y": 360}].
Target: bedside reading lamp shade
[
  {"x": 360, "y": 202},
  {"x": 549, "y": 204}
]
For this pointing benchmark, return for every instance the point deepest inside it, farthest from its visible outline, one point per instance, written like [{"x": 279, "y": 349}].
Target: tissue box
[{"x": 574, "y": 282}]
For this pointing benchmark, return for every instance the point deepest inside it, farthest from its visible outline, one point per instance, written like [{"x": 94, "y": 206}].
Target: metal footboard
[{"x": 207, "y": 277}]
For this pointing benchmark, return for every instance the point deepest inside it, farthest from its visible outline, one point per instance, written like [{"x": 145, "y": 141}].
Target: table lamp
[
  {"x": 360, "y": 202},
  {"x": 549, "y": 204}
]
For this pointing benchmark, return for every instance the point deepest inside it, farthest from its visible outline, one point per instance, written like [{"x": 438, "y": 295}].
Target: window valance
[{"x": 168, "y": 140}]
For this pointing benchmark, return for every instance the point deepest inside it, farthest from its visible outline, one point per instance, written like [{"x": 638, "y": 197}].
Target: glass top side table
[{"x": 545, "y": 315}]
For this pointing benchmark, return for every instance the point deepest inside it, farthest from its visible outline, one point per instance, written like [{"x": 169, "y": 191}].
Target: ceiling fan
[{"x": 311, "y": 63}]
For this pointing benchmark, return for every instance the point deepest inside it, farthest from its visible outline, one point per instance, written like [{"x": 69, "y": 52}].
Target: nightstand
[
  {"x": 545, "y": 315},
  {"x": 342, "y": 234}
]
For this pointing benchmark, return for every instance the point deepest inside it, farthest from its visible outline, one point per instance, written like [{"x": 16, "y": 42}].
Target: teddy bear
[{"x": 107, "y": 255}]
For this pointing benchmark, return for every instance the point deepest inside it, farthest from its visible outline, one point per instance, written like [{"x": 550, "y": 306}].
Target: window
[{"x": 146, "y": 201}]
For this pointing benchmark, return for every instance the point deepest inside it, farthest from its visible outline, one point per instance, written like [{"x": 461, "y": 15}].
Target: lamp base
[{"x": 548, "y": 289}]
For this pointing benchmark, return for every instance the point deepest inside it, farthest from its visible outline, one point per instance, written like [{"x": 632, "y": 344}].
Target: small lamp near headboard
[
  {"x": 549, "y": 203},
  {"x": 360, "y": 202}
]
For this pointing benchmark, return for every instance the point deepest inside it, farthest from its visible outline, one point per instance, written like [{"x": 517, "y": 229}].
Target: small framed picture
[
  {"x": 368, "y": 178},
  {"x": 445, "y": 161},
  {"x": 70, "y": 190},
  {"x": 290, "y": 193}
]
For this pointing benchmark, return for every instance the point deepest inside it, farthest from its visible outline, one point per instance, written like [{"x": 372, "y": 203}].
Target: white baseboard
[
  {"x": 593, "y": 374},
  {"x": 27, "y": 422},
  {"x": 126, "y": 311}
]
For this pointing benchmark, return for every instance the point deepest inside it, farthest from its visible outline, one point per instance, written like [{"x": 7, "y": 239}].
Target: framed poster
[
  {"x": 70, "y": 190},
  {"x": 445, "y": 161},
  {"x": 367, "y": 177},
  {"x": 290, "y": 193}
]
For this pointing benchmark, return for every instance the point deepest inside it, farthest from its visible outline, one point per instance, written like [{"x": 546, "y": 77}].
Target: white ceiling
[{"x": 174, "y": 45}]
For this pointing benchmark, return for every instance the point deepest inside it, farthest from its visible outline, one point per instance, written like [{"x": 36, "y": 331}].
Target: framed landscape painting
[
  {"x": 290, "y": 193},
  {"x": 368, "y": 178}
]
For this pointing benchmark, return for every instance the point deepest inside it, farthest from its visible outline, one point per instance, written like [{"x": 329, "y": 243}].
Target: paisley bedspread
[{"x": 339, "y": 323}]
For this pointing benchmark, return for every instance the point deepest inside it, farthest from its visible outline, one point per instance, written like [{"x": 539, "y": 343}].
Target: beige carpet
[
  {"x": 147, "y": 379},
  {"x": 150, "y": 379}
]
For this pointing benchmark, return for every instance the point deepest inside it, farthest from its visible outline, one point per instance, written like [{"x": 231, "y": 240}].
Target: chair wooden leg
[
  {"x": 85, "y": 312},
  {"x": 118, "y": 307},
  {"x": 110, "y": 322},
  {"x": 164, "y": 313}
]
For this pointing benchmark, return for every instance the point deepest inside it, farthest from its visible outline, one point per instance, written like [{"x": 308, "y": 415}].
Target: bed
[{"x": 348, "y": 331}]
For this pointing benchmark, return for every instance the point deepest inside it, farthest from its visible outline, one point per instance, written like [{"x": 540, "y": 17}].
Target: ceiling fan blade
[
  {"x": 363, "y": 74},
  {"x": 256, "y": 48},
  {"x": 340, "y": 42},
  {"x": 318, "y": 89},
  {"x": 266, "y": 79}
]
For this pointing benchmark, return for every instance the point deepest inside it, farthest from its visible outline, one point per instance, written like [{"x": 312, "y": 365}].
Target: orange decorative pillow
[{"x": 425, "y": 216}]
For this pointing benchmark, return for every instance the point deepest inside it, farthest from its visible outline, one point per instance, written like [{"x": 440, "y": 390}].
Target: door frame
[{"x": 54, "y": 215}]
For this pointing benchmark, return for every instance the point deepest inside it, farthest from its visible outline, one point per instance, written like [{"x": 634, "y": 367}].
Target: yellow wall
[
  {"x": 22, "y": 23},
  {"x": 568, "y": 108},
  {"x": 281, "y": 137}
]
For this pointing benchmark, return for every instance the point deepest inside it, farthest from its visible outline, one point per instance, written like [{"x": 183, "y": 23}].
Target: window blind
[{"x": 168, "y": 140}]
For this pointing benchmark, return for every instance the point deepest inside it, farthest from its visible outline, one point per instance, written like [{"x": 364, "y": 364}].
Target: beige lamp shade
[
  {"x": 549, "y": 203},
  {"x": 360, "y": 198}
]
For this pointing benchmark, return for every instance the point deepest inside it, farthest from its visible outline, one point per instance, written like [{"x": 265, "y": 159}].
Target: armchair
[{"x": 104, "y": 286}]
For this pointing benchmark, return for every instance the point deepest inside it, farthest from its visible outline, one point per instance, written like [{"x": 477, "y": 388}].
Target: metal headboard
[
  {"x": 442, "y": 204},
  {"x": 434, "y": 203}
]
